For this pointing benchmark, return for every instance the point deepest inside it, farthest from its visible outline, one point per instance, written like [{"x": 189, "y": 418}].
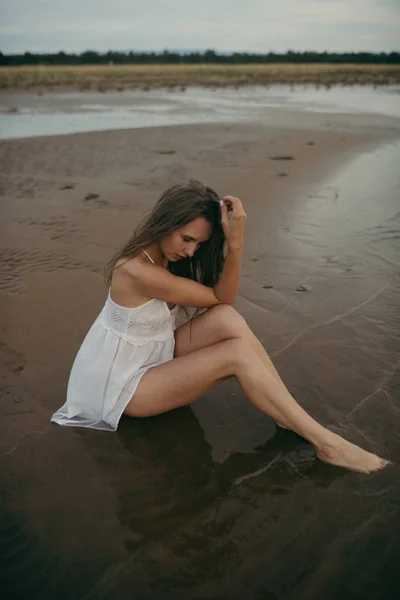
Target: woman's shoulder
[
  {"x": 125, "y": 278},
  {"x": 131, "y": 268},
  {"x": 128, "y": 264}
]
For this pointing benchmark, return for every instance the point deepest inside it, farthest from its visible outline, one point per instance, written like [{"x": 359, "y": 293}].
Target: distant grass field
[{"x": 146, "y": 77}]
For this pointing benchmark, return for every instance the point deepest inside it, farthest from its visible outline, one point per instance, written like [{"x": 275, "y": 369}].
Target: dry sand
[{"x": 166, "y": 508}]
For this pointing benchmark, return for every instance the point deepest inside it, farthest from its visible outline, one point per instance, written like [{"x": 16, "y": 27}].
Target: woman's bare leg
[
  {"x": 218, "y": 324},
  {"x": 182, "y": 380}
]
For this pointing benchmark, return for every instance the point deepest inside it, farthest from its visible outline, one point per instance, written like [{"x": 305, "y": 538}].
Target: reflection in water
[
  {"x": 172, "y": 476},
  {"x": 169, "y": 497},
  {"x": 172, "y": 498},
  {"x": 282, "y": 531}
]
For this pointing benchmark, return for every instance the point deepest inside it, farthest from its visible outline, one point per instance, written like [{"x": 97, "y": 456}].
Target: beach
[{"x": 209, "y": 501}]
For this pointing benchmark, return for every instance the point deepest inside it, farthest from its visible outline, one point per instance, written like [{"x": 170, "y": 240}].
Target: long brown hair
[{"x": 178, "y": 206}]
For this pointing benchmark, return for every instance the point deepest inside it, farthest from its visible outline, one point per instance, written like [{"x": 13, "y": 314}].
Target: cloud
[{"x": 258, "y": 25}]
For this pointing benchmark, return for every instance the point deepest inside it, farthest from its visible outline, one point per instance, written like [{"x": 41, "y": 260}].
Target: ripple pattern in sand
[
  {"x": 16, "y": 262},
  {"x": 25, "y": 187},
  {"x": 59, "y": 227}
]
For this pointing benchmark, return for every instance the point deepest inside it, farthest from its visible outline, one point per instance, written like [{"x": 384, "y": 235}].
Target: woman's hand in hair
[{"x": 233, "y": 220}]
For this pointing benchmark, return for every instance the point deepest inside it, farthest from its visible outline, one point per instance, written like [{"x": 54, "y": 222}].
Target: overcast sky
[{"x": 226, "y": 25}]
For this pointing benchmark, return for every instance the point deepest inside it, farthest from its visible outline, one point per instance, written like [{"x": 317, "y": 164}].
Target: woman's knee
[
  {"x": 239, "y": 353},
  {"x": 227, "y": 320}
]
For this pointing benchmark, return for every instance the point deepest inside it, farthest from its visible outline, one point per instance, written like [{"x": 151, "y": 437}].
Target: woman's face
[{"x": 184, "y": 242}]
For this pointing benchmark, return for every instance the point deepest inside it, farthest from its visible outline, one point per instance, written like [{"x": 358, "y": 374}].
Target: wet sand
[{"x": 210, "y": 501}]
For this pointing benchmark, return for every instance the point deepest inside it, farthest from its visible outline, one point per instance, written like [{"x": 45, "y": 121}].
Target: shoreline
[{"x": 356, "y": 109}]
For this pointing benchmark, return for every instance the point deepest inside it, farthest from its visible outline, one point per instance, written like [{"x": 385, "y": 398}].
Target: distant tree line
[{"x": 91, "y": 57}]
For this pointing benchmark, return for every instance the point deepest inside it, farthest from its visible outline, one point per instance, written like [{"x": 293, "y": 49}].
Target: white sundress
[{"x": 122, "y": 344}]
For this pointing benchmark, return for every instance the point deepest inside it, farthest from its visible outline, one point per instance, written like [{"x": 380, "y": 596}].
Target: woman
[{"x": 134, "y": 360}]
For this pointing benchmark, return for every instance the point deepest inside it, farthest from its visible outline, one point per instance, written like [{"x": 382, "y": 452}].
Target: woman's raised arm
[{"x": 153, "y": 281}]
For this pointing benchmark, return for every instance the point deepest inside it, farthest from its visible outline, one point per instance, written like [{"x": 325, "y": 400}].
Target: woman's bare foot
[{"x": 341, "y": 453}]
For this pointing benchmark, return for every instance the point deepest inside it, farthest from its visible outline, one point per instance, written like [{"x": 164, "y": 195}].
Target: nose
[{"x": 189, "y": 251}]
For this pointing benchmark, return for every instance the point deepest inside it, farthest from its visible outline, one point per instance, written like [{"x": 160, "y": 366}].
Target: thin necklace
[{"x": 149, "y": 257}]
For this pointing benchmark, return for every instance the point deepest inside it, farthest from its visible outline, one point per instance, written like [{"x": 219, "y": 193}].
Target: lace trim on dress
[{"x": 150, "y": 321}]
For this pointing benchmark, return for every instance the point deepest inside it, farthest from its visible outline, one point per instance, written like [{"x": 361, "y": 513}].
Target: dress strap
[{"x": 149, "y": 257}]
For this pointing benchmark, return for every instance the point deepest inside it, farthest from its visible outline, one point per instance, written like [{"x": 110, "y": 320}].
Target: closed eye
[{"x": 190, "y": 239}]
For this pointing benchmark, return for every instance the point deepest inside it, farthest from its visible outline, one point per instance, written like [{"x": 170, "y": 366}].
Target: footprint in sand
[
  {"x": 331, "y": 259},
  {"x": 11, "y": 359},
  {"x": 96, "y": 200},
  {"x": 281, "y": 158}
]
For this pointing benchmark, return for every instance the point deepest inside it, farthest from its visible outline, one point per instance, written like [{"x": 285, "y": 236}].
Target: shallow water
[
  {"x": 27, "y": 114},
  {"x": 213, "y": 501}
]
